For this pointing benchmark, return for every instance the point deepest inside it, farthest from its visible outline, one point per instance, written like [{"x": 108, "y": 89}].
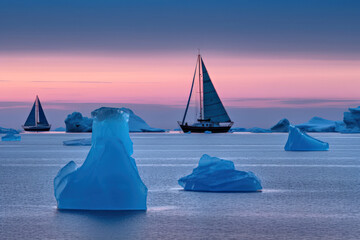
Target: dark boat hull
[
  {"x": 37, "y": 128},
  {"x": 198, "y": 129}
]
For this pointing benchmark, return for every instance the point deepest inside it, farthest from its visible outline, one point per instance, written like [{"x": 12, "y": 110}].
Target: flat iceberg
[
  {"x": 258, "y": 130},
  {"x": 60, "y": 129},
  {"x": 78, "y": 142},
  {"x": 300, "y": 141},
  {"x": 109, "y": 178},
  {"x": 281, "y": 126},
  {"x": 237, "y": 129},
  {"x": 75, "y": 122},
  {"x": 217, "y": 175},
  {"x": 11, "y": 137},
  {"x": 318, "y": 124},
  {"x": 252, "y": 130}
]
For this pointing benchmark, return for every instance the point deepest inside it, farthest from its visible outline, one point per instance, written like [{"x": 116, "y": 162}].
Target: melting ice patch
[
  {"x": 218, "y": 175},
  {"x": 78, "y": 142},
  {"x": 11, "y": 137},
  {"x": 300, "y": 141},
  {"x": 108, "y": 179}
]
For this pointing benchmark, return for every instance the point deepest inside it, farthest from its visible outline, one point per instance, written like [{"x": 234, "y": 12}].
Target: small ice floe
[
  {"x": 78, "y": 142},
  {"x": 10, "y": 137},
  {"x": 218, "y": 175},
  {"x": 300, "y": 141},
  {"x": 109, "y": 178}
]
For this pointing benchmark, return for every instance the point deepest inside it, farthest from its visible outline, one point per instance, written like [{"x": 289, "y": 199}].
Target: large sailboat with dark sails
[
  {"x": 213, "y": 116},
  {"x": 36, "y": 121}
]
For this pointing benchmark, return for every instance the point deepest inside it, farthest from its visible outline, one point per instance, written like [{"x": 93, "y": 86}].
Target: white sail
[{"x": 213, "y": 108}]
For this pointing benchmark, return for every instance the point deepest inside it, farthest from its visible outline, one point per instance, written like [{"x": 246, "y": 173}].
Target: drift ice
[{"x": 218, "y": 175}]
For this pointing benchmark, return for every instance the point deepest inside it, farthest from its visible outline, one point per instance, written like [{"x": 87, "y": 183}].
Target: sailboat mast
[
  {"x": 200, "y": 90},
  {"x": 191, "y": 90},
  {"x": 36, "y": 110}
]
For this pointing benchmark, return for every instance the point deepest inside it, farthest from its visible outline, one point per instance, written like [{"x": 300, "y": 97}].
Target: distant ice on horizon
[{"x": 75, "y": 122}]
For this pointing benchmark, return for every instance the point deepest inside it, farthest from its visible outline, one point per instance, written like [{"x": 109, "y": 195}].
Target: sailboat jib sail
[
  {"x": 30, "y": 121},
  {"x": 36, "y": 120},
  {"x": 213, "y": 108},
  {"x": 213, "y": 116}
]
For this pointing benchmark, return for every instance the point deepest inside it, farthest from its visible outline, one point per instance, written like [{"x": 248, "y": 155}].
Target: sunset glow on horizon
[{"x": 166, "y": 78}]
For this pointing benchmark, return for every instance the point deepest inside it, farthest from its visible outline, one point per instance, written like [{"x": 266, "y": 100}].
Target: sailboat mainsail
[
  {"x": 213, "y": 116},
  {"x": 213, "y": 108},
  {"x": 36, "y": 120}
]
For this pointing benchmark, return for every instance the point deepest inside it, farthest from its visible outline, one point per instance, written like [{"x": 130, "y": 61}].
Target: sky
[{"x": 282, "y": 55}]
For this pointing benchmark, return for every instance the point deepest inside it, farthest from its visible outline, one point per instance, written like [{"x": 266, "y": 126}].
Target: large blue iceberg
[
  {"x": 300, "y": 141},
  {"x": 318, "y": 124},
  {"x": 218, "y": 175},
  {"x": 109, "y": 178},
  {"x": 75, "y": 122},
  {"x": 11, "y": 137}
]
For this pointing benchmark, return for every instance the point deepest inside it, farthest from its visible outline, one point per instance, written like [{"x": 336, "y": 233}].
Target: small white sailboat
[
  {"x": 36, "y": 120},
  {"x": 213, "y": 116}
]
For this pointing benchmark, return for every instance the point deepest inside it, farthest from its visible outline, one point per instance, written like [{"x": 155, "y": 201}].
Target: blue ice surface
[
  {"x": 78, "y": 142},
  {"x": 11, "y": 137},
  {"x": 300, "y": 141},
  {"x": 109, "y": 178},
  {"x": 217, "y": 175}
]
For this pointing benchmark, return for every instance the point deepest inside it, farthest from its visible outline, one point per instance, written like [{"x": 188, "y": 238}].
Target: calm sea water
[{"x": 307, "y": 195}]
